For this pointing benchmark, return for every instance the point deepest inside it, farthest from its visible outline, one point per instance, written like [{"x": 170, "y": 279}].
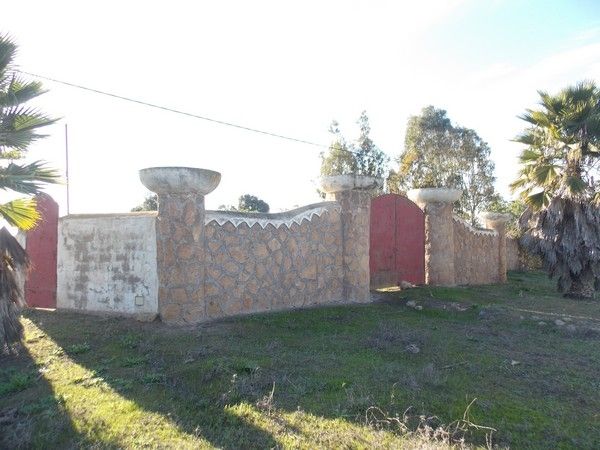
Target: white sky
[{"x": 285, "y": 67}]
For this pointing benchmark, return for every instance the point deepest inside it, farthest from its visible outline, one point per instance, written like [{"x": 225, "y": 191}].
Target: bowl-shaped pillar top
[
  {"x": 339, "y": 183},
  {"x": 433, "y": 195},
  {"x": 495, "y": 220},
  {"x": 180, "y": 180}
]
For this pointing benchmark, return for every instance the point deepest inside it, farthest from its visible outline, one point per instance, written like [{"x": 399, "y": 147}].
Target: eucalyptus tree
[
  {"x": 559, "y": 181},
  {"x": 439, "y": 154},
  {"x": 339, "y": 159},
  {"x": 19, "y": 126}
]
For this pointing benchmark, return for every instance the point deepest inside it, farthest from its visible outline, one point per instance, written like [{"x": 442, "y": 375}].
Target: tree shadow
[
  {"x": 32, "y": 415},
  {"x": 121, "y": 353},
  {"x": 214, "y": 381}
]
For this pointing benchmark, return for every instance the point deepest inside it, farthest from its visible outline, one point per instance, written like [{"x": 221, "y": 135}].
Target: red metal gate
[
  {"x": 397, "y": 241},
  {"x": 41, "y": 246}
]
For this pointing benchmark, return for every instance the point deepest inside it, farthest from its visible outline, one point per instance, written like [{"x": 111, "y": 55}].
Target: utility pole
[{"x": 67, "y": 166}]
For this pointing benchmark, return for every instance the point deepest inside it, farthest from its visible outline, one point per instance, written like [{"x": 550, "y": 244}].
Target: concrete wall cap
[
  {"x": 129, "y": 215},
  {"x": 348, "y": 182},
  {"x": 431, "y": 195},
  {"x": 282, "y": 219},
  {"x": 180, "y": 180},
  {"x": 472, "y": 229}
]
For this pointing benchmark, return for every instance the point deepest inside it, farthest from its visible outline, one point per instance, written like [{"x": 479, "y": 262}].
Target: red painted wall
[
  {"x": 397, "y": 251},
  {"x": 41, "y": 245}
]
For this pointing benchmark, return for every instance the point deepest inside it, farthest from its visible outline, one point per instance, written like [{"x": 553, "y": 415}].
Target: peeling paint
[{"x": 105, "y": 261}]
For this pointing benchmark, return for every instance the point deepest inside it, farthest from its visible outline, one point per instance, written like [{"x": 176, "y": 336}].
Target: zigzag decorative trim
[
  {"x": 477, "y": 231},
  {"x": 285, "y": 219}
]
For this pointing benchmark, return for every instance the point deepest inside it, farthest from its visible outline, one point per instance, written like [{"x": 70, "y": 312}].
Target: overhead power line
[{"x": 176, "y": 111}]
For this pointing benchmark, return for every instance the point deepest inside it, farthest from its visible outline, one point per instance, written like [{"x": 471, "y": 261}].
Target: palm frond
[
  {"x": 27, "y": 178},
  {"x": 8, "y": 49},
  {"x": 20, "y": 92},
  {"x": 21, "y": 213}
]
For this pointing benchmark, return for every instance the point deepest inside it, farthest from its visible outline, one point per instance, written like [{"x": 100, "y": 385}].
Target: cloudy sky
[{"x": 288, "y": 68}]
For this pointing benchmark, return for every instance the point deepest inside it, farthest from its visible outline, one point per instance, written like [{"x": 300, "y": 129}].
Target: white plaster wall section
[
  {"x": 283, "y": 219},
  {"x": 107, "y": 263},
  {"x": 472, "y": 229}
]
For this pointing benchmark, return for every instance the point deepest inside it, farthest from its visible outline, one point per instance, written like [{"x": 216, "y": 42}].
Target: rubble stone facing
[
  {"x": 355, "y": 218},
  {"x": 180, "y": 258},
  {"x": 513, "y": 261},
  {"x": 439, "y": 244},
  {"x": 497, "y": 222},
  {"x": 455, "y": 252},
  {"x": 252, "y": 269},
  {"x": 476, "y": 254},
  {"x": 437, "y": 204}
]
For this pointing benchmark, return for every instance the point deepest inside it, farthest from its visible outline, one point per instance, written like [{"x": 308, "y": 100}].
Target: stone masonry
[
  {"x": 251, "y": 268},
  {"x": 180, "y": 257},
  {"x": 475, "y": 254},
  {"x": 437, "y": 205},
  {"x": 214, "y": 264},
  {"x": 497, "y": 222},
  {"x": 455, "y": 252},
  {"x": 356, "y": 213}
]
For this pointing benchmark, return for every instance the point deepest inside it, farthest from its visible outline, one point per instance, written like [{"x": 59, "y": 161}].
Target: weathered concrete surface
[
  {"x": 180, "y": 180},
  {"x": 348, "y": 182},
  {"x": 105, "y": 261}
]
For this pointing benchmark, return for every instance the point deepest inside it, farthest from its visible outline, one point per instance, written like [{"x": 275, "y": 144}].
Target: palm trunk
[
  {"x": 11, "y": 330},
  {"x": 582, "y": 286}
]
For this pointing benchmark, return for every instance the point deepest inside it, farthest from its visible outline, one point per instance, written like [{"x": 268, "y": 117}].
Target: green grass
[{"x": 317, "y": 378}]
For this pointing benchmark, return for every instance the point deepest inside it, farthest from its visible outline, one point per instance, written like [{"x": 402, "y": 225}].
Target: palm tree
[
  {"x": 19, "y": 127},
  {"x": 559, "y": 180}
]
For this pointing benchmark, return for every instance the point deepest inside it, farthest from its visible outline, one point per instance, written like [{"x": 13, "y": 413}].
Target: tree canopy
[
  {"x": 361, "y": 157},
  {"x": 251, "y": 203},
  {"x": 150, "y": 203},
  {"x": 439, "y": 154}
]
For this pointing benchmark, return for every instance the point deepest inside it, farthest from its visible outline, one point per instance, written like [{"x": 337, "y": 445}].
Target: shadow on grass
[
  {"x": 31, "y": 414},
  {"x": 121, "y": 354},
  {"x": 213, "y": 382}
]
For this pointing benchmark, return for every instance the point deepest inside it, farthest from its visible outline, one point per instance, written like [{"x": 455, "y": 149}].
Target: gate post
[
  {"x": 180, "y": 239},
  {"x": 497, "y": 222},
  {"x": 41, "y": 245},
  {"x": 437, "y": 205},
  {"x": 353, "y": 193}
]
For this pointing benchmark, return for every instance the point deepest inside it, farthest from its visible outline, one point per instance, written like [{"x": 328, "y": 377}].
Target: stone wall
[
  {"x": 246, "y": 263},
  {"x": 189, "y": 265},
  {"x": 107, "y": 263},
  {"x": 475, "y": 254},
  {"x": 513, "y": 259},
  {"x": 270, "y": 262}
]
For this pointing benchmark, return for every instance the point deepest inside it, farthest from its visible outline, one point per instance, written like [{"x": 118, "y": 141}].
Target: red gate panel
[
  {"x": 397, "y": 251},
  {"x": 41, "y": 246}
]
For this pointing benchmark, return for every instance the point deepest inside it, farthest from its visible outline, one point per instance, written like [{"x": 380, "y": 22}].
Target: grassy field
[{"x": 526, "y": 361}]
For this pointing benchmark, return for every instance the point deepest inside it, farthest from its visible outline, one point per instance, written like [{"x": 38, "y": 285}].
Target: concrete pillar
[
  {"x": 497, "y": 222},
  {"x": 437, "y": 204},
  {"x": 353, "y": 193},
  {"x": 180, "y": 239}
]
